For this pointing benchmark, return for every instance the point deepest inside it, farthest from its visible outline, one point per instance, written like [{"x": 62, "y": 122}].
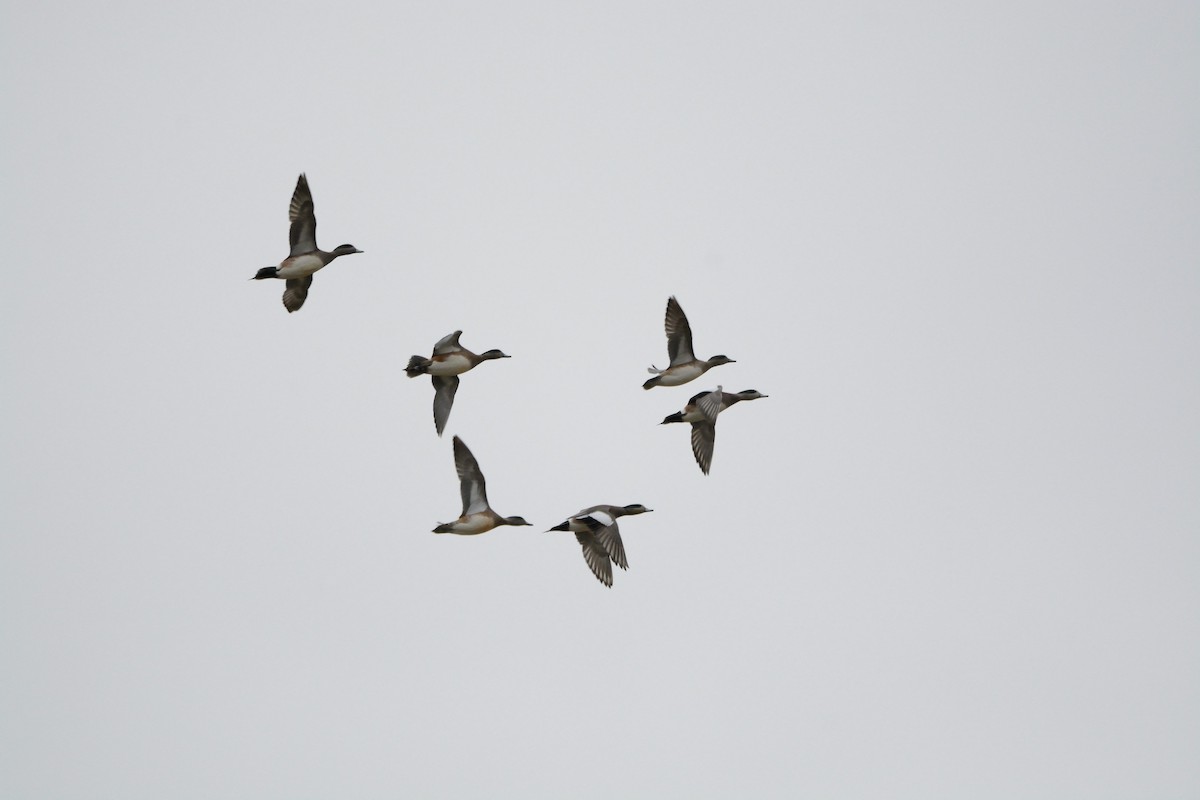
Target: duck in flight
[
  {"x": 684, "y": 366},
  {"x": 477, "y": 516},
  {"x": 701, "y": 411},
  {"x": 449, "y": 360},
  {"x": 596, "y": 531},
  {"x": 305, "y": 257}
]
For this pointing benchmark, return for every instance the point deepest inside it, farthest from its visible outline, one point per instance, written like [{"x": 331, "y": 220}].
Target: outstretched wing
[
  {"x": 296, "y": 292},
  {"x": 443, "y": 398},
  {"x": 447, "y": 344},
  {"x": 704, "y": 436},
  {"x": 605, "y": 529},
  {"x": 679, "y": 334},
  {"x": 470, "y": 479},
  {"x": 303, "y": 235},
  {"x": 710, "y": 404},
  {"x": 596, "y": 556}
]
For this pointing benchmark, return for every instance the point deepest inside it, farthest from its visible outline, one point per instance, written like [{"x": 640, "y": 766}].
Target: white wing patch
[
  {"x": 602, "y": 517},
  {"x": 478, "y": 501}
]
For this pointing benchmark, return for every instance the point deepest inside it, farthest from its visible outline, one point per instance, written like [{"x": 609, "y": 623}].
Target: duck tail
[
  {"x": 650, "y": 384},
  {"x": 417, "y": 365}
]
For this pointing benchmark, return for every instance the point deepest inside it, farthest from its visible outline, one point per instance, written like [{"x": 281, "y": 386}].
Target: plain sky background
[{"x": 955, "y": 554}]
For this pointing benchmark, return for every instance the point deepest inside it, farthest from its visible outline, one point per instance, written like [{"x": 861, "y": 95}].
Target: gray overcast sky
[{"x": 955, "y": 554}]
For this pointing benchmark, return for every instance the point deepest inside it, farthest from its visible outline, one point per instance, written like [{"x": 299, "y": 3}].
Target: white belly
[
  {"x": 677, "y": 376},
  {"x": 300, "y": 266},
  {"x": 453, "y": 364},
  {"x": 476, "y": 523}
]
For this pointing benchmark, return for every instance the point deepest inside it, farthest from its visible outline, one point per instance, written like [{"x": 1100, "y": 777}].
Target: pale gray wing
[
  {"x": 704, "y": 436},
  {"x": 296, "y": 292},
  {"x": 610, "y": 537},
  {"x": 679, "y": 334},
  {"x": 443, "y": 398},
  {"x": 605, "y": 529},
  {"x": 710, "y": 404},
  {"x": 470, "y": 479},
  {"x": 596, "y": 556},
  {"x": 303, "y": 234},
  {"x": 447, "y": 344}
]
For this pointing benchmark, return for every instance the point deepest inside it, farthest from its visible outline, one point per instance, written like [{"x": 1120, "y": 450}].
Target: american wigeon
[
  {"x": 449, "y": 360},
  {"x": 684, "y": 366},
  {"x": 596, "y": 531},
  {"x": 477, "y": 516},
  {"x": 701, "y": 411},
  {"x": 305, "y": 257}
]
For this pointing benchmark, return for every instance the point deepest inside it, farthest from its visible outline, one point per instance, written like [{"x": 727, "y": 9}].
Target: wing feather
[
  {"x": 444, "y": 388},
  {"x": 596, "y": 556},
  {"x": 296, "y": 292},
  {"x": 447, "y": 344},
  {"x": 679, "y": 334},
  {"x": 604, "y": 527},
  {"x": 704, "y": 436},
  {"x": 471, "y": 483},
  {"x": 303, "y": 233},
  {"x": 710, "y": 404}
]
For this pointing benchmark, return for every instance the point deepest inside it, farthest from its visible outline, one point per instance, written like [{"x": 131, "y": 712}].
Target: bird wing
[
  {"x": 303, "y": 235},
  {"x": 447, "y": 344},
  {"x": 584, "y": 512},
  {"x": 710, "y": 404},
  {"x": 704, "y": 436},
  {"x": 604, "y": 526},
  {"x": 679, "y": 334},
  {"x": 296, "y": 292},
  {"x": 596, "y": 556},
  {"x": 443, "y": 398},
  {"x": 470, "y": 479}
]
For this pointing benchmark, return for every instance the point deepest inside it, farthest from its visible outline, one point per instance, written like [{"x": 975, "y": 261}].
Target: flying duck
[
  {"x": 684, "y": 366},
  {"x": 596, "y": 531},
  {"x": 305, "y": 257},
  {"x": 477, "y": 516},
  {"x": 449, "y": 360},
  {"x": 701, "y": 411}
]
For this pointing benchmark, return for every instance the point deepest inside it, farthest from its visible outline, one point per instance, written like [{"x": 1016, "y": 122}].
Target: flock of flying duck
[{"x": 595, "y": 528}]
